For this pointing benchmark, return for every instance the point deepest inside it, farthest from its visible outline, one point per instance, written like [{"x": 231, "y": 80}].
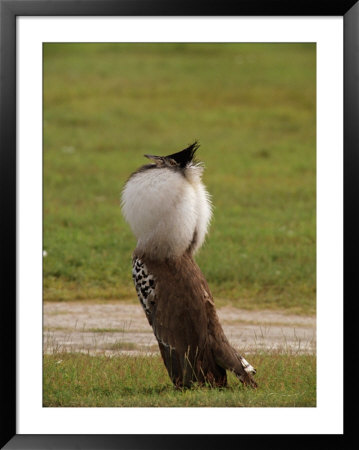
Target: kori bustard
[{"x": 169, "y": 210}]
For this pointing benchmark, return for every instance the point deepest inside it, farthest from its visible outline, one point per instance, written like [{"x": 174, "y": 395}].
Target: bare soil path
[{"x": 114, "y": 328}]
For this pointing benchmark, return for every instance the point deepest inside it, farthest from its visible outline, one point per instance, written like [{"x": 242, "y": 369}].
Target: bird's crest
[{"x": 185, "y": 156}]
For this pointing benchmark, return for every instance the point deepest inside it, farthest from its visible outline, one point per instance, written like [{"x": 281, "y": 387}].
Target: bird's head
[
  {"x": 166, "y": 204},
  {"x": 179, "y": 160}
]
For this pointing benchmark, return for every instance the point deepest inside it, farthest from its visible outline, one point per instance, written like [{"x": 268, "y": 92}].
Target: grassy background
[
  {"x": 252, "y": 107},
  {"x": 285, "y": 380}
]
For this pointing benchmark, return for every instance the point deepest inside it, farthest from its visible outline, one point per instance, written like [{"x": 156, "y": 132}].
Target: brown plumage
[
  {"x": 183, "y": 317},
  {"x": 172, "y": 289}
]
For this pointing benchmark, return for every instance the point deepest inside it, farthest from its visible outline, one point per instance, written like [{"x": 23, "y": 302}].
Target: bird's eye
[{"x": 172, "y": 162}]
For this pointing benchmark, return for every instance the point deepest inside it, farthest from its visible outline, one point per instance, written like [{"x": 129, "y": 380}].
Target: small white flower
[
  {"x": 44, "y": 253},
  {"x": 68, "y": 149}
]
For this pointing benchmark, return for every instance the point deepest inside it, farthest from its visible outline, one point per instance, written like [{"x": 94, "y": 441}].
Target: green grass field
[
  {"x": 75, "y": 380},
  {"x": 251, "y": 106}
]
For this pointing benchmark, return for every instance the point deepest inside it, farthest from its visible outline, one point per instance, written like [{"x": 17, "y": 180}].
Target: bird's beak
[{"x": 154, "y": 158}]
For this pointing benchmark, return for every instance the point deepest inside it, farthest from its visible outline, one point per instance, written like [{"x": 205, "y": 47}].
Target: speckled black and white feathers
[{"x": 145, "y": 286}]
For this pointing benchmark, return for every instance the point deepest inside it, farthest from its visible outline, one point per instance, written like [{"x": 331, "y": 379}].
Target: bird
[{"x": 169, "y": 210}]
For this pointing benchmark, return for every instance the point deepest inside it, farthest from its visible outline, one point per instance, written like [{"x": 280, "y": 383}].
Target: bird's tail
[
  {"x": 246, "y": 372},
  {"x": 247, "y": 367},
  {"x": 226, "y": 357}
]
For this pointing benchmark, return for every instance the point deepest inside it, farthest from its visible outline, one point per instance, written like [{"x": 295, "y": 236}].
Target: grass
[
  {"x": 252, "y": 107},
  {"x": 285, "y": 380}
]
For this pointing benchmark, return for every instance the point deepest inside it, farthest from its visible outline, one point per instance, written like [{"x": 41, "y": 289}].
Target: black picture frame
[{"x": 9, "y": 10}]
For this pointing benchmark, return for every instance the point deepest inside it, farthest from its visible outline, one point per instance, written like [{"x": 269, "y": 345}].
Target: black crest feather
[{"x": 185, "y": 156}]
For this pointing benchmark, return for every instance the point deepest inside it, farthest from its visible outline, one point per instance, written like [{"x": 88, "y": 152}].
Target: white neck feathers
[{"x": 169, "y": 211}]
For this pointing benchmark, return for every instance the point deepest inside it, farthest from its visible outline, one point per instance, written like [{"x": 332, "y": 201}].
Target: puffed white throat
[{"x": 168, "y": 210}]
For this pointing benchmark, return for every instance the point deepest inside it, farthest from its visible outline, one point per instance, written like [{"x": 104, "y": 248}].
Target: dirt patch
[{"x": 115, "y": 328}]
